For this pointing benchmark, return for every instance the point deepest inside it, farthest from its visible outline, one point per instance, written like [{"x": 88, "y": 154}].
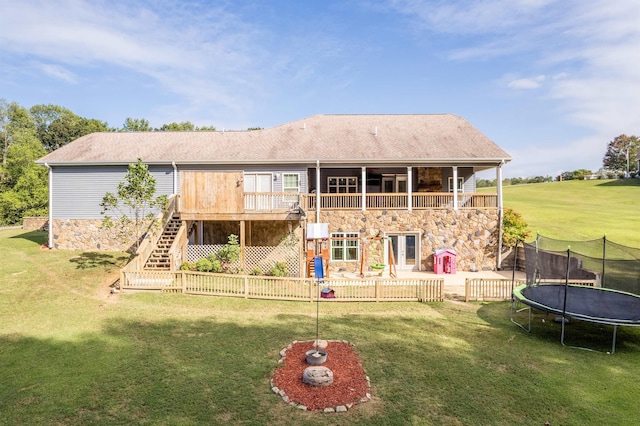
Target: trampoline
[{"x": 552, "y": 286}]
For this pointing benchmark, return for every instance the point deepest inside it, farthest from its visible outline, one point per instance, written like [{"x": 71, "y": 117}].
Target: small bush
[
  {"x": 204, "y": 265},
  {"x": 279, "y": 270},
  {"x": 256, "y": 271},
  {"x": 188, "y": 266},
  {"x": 216, "y": 264}
]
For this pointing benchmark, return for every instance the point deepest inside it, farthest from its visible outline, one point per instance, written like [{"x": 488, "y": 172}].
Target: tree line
[{"x": 27, "y": 134}]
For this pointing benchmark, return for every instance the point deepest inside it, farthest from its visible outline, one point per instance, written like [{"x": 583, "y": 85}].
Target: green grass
[
  {"x": 579, "y": 209},
  {"x": 72, "y": 354}
]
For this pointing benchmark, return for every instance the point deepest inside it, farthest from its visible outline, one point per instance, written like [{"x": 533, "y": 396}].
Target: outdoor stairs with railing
[{"x": 159, "y": 258}]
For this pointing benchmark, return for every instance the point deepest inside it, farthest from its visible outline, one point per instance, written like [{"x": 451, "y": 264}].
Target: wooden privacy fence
[{"x": 303, "y": 289}]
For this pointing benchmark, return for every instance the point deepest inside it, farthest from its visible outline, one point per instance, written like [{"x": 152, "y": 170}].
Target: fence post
[
  {"x": 183, "y": 277},
  {"x": 246, "y": 287},
  {"x": 377, "y": 290},
  {"x": 467, "y": 288}
]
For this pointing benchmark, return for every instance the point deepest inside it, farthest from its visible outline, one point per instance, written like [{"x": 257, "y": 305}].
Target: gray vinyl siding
[
  {"x": 78, "y": 191},
  {"x": 469, "y": 184}
]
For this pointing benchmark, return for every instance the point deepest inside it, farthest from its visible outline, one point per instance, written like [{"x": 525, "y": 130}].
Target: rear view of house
[{"x": 408, "y": 179}]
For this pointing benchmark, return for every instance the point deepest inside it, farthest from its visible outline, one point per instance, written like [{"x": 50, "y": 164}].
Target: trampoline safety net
[{"x": 598, "y": 263}]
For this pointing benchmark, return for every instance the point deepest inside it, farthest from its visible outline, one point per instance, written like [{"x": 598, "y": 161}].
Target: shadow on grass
[
  {"x": 38, "y": 237},
  {"x": 547, "y": 329},
  {"x": 621, "y": 182},
  {"x": 91, "y": 260}
]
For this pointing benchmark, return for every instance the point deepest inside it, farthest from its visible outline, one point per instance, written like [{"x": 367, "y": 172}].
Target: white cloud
[
  {"x": 527, "y": 83},
  {"x": 58, "y": 72}
]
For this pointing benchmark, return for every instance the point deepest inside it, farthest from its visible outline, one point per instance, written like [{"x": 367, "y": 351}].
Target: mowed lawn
[
  {"x": 579, "y": 209},
  {"x": 72, "y": 354}
]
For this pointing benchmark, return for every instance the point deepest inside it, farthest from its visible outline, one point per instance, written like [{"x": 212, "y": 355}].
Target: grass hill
[{"x": 579, "y": 209}]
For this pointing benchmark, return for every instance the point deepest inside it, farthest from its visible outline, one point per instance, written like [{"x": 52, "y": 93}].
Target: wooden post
[
  {"x": 467, "y": 288},
  {"x": 183, "y": 277},
  {"x": 242, "y": 244},
  {"x": 246, "y": 287}
]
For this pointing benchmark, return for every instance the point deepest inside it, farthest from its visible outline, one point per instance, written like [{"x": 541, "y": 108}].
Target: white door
[
  {"x": 255, "y": 183},
  {"x": 405, "y": 251}
]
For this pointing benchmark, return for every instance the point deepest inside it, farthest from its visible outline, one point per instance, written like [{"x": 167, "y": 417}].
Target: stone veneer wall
[
  {"x": 35, "y": 223},
  {"x": 83, "y": 234},
  {"x": 473, "y": 234}
]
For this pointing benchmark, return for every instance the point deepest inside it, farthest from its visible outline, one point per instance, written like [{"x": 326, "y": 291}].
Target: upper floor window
[
  {"x": 291, "y": 183},
  {"x": 342, "y": 185},
  {"x": 460, "y": 184}
]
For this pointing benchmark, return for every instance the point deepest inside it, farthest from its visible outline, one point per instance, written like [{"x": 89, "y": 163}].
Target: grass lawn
[
  {"x": 579, "y": 209},
  {"x": 72, "y": 354}
]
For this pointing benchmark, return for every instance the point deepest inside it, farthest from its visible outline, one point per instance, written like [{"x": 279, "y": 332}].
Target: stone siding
[
  {"x": 35, "y": 223},
  {"x": 83, "y": 234},
  {"x": 473, "y": 234}
]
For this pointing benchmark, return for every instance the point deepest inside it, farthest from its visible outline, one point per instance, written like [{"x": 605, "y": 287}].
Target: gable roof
[{"x": 331, "y": 138}]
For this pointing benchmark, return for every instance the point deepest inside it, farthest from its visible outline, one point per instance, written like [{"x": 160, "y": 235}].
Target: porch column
[
  {"x": 409, "y": 181},
  {"x": 500, "y": 213},
  {"x": 243, "y": 235},
  {"x": 318, "y": 198},
  {"x": 364, "y": 188},
  {"x": 455, "y": 187}
]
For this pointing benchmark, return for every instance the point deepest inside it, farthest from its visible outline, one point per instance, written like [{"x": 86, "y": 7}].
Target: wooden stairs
[{"x": 159, "y": 258}]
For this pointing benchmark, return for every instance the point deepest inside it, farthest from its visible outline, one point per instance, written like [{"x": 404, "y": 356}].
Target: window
[
  {"x": 460, "y": 184},
  {"x": 342, "y": 185},
  {"x": 345, "y": 246},
  {"x": 291, "y": 183}
]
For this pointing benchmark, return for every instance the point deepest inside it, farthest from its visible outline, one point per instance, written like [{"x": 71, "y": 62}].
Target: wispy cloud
[
  {"x": 58, "y": 72},
  {"x": 584, "y": 56}
]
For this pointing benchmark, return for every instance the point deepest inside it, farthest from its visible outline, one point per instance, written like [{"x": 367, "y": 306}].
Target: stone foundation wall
[
  {"x": 35, "y": 223},
  {"x": 83, "y": 234},
  {"x": 473, "y": 234}
]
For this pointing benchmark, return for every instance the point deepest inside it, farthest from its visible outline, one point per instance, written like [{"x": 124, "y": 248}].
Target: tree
[
  {"x": 57, "y": 126},
  {"x": 136, "y": 125},
  {"x": 514, "y": 228},
  {"x": 14, "y": 120},
  {"x": 25, "y": 190},
  {"x": 622, "y": 151},
  {"x": 134, "y": 205},
  {"x": 184, "y": 126}
]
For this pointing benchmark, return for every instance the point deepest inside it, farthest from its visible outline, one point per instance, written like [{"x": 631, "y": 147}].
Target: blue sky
[{"x": 550, "y": 81}]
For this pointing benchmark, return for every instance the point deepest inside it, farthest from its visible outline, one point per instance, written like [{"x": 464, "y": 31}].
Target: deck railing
[
  {"x": 399, "y": 201},
  {"x": 302, "y": 289},
  {"x": 271, "y": 201}
]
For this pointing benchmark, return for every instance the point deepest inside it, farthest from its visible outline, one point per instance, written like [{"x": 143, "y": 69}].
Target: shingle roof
[{"x": 341, "y": 139}]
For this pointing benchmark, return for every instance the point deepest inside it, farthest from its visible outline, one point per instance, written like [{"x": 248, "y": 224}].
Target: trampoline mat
[{"x": 593, "y": 304}]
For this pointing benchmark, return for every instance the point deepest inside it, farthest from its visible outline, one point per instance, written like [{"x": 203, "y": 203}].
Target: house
[{"x": 408, "y": 179}]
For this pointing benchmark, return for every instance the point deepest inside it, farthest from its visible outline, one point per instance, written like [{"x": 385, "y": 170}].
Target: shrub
[
  {"x": 279, "y": 270},
  {"x": 204, "y": 265},
  {"x": 216, "y": 265},
  {"x": 256, "y": 271},
  {"x": 187, "y": 266},
  {"x": 514, "y": 228}
]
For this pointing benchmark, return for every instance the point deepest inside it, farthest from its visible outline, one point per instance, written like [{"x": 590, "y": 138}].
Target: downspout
[
  {"x": 175, "y": 178},
  {"x": 317, "y": 191},
  {"x": 500, "y": 212},
  {"x": 50, "y": 239},
  {"x": 175, "y": 184}
]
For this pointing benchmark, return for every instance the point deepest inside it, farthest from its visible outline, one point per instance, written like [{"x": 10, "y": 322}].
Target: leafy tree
[
  {"x": 576, "y": 174},
  {"x": 57, "y": 126},
  {"x": 514, "y": 228},
  {"x": 25, "y": 189},
  {"x": 14, "y": 120},
  {"x": 136, "y": 125},
  {"x": 184, "y": 126},
  {"x": 622, "y": 150},
  {"x": 177, "y": 127},
  {"x": 134, "y": 204}
]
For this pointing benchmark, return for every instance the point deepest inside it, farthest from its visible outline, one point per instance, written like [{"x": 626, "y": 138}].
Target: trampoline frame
[{"x": 518, "y": 297}]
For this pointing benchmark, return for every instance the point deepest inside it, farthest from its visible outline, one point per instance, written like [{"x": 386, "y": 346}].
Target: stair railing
[
  {"x": 176, "y": 252},
  {"x": 156, "y": 228}
]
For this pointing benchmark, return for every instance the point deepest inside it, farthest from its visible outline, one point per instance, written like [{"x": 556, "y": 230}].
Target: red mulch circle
[{"x": 349, "y": 386}]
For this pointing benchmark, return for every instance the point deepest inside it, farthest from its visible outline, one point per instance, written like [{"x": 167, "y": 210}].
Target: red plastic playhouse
[{"x": 444, "y": 261}]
